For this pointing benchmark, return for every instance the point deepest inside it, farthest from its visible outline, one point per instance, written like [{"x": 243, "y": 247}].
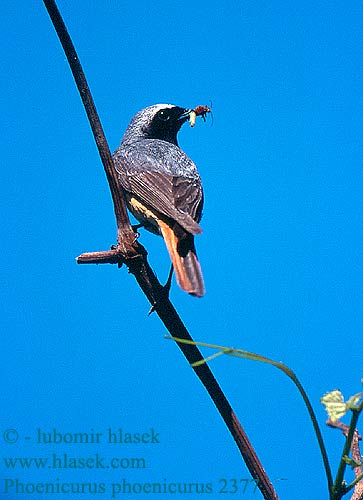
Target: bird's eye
[{"x": 163, "y": 115}]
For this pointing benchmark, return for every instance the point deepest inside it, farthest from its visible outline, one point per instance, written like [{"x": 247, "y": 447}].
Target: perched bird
[{"x": 162, "y": 185}]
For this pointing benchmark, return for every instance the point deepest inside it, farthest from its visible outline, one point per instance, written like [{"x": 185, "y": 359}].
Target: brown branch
[
  {"x": 106, "y": 257},
  {"x": 126, "y": 237},
  {"x": 130, "y": 252}
]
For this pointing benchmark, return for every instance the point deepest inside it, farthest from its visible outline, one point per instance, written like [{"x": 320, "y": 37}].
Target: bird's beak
[
  {"x": 185, "y": 114},
  {"x": 188, "y": 115}
]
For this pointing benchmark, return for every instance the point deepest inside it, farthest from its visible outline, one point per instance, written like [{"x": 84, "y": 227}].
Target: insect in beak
[
  {"x": 192, "y": 117},
  {"x": 197, "y": 111}
]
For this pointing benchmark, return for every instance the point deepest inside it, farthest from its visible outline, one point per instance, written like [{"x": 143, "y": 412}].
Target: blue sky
[{"x": 280, "y": 250}]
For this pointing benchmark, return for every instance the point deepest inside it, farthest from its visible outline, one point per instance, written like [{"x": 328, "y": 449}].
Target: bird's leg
[
  {"x": 167, "y": 285},
  {"x": 165, "y": 290},
  {"x": 135, "y": 228}
]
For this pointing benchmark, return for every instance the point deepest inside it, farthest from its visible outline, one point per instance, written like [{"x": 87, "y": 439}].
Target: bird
[{"x": 162, "y": 185}]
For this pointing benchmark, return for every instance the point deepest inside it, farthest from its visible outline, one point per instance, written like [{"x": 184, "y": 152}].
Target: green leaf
[
  {"x": 334, "y": 405},
  {"x": 353, "y": 401}
]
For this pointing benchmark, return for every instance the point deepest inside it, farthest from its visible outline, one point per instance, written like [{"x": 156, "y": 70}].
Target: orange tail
[{"x": 186, "y": 267}]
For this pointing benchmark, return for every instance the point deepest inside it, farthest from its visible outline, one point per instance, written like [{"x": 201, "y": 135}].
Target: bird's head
[{"x": 160, "y": 121}]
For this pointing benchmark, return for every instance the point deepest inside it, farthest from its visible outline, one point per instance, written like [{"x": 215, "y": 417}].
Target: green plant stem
[
  {"x": 240, "y": 353},
  {"x": 338, "y": 489},
  {"x": 354, "y": 483}
]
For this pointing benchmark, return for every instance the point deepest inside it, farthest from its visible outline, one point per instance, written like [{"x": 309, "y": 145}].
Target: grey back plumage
[{"x": 152, "y": 167}]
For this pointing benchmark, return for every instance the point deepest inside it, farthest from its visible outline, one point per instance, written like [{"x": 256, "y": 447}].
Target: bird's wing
[{"x": 176, "y": 197}]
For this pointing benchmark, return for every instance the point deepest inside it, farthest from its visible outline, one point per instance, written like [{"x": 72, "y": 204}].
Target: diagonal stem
[
  {"x": 131, "y": 253},
  {"x": 126, "y": 236}
]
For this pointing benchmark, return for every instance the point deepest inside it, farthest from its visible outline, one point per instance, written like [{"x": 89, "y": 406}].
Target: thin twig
[{"x": 130, "y": 252}]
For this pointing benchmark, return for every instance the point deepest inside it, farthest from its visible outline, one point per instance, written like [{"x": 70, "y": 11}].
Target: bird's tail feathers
[{"x": 186, "y": 266}]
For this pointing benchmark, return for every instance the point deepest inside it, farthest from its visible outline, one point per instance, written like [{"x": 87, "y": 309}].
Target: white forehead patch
[
  {"x": 157, "y": 107},
  {"x": 164, "y": 105}
]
